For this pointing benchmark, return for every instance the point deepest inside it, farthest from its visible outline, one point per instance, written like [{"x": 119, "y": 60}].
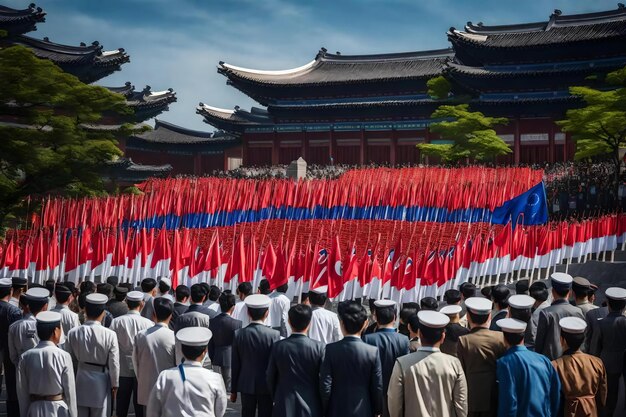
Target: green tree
[
  {"x": 599, "y": 128},
  {"x": 439, "y": 88},
  {"x": 45, "y": 149},
  {"x": 471, "y": 133}
]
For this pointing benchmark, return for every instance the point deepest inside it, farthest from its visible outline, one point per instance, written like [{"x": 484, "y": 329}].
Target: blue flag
[{"x": 531, "y": 206}]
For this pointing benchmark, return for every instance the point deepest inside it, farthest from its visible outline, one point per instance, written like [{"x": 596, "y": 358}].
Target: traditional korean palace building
[{"x": 357, "y": 109}]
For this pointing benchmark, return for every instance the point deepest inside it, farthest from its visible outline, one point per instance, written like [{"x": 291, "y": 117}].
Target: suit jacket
[
  {"x": 220, "y": 345},
  {"x": 478, "y": 352},
  {"x": 548, "y": 339},
  {"x": 427, "y": 383},
  {"x": 200, "y": 308},
  {"x": 612, "y": 343},
  {"x": 592, "y": 334},
  {"x": 196, "y": 315},
  {"x": 293, "y": 376},
  {"x": 391, "y": 345},
  {"x": 498, "y": 316},
  {"x": 351, "y": 381},
  {"x": 250, "y": 357},
  {"x": 453, "y": 332},
  {"x": 179, "y": 309}
]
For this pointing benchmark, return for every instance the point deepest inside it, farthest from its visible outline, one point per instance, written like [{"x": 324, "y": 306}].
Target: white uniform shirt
[
  {"x": 215, "y": 307},
  {"x": 14, "y": 301},
  {"x": 153, "y": 353},
  {"x": 324, "y": 326},
  {"x": 92, "y": 343},
  {"x": 126, "y": 327},
  {"x": 22, "y": 336},
  {"x": 69, "y": 319},
  {"x": 52, "y": 302},
  {"x": 279, "y": 311},
  {"x": 46, "y": 370},
  {"x": 240, "y": 312},
  {"x": 202, "y": 393}
]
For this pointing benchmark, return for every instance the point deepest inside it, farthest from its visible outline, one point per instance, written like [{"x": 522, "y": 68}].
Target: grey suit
[
  {"x": 196, "y": 316},
  {"x": 548, "y": 340},
  {"x": 351, "y": 380},
  {"x": 220, "y": 346},
  {"x": 250, "y": 357},
  {"x": 148, "y": 308},
  {"x": 293, "y": 376},
  {"x": 179, "y": 309},
  {"x": 592, "y": 334},
  {"x": 612, "y": 346}
]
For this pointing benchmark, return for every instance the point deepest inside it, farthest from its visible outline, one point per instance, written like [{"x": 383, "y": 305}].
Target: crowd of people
[{"x": 495, "y": 351}]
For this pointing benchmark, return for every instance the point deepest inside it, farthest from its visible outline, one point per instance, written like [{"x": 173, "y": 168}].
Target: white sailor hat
[
  {"x": 521, "y": 302},
  {"x": 574, "y": 325},
  {"x": 37, "y": 294},
  {"x": 478, "y": 305},
  {"x": 258, "y": 301},
  {"x": 384, "y": 303},
  {"x": 97, "y": 299},
  {"x": 6, "y": 282},
  {"x": 433, "y": 319},
  {"x": 320, "y": 290},
  {"x": 134, "y": 296},
  {"x": 615, "y": 293},
  {"x": 167, "y": 281},
  {"x": 511, "y": 325},
  {"x": 451, "y": 310},
  {"x": 48, "y": 317},
  {"x": 194, "y": 336},
  {"x": 561, "y": 280}
]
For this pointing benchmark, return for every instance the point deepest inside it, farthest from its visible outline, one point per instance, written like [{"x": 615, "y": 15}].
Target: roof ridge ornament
[{"x": 621, "y": 6}]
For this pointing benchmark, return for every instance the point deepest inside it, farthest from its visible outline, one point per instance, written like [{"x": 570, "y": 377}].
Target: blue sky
[{"x": 178, "y": 43}]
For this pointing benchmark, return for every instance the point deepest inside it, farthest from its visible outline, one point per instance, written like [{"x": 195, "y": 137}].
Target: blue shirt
[{"x": 528, "y": 384}]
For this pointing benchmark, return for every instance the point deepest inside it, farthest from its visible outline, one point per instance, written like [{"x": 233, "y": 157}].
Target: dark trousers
[
  {"x": 612, "y": 382},
  {"x": 13, "y": 407},
  {"x": 128, "y": 386},
  {"x": 251, "y": 402}
]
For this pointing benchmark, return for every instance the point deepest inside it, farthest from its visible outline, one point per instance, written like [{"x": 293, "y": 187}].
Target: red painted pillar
[
  {"x": 393, "y": 147},
  {"x": 362, "y": 148},
  {"x": 275, "y": 149},
  {"x": 517, "y": 142}
]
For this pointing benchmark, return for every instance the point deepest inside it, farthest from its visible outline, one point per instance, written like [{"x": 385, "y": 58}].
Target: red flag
[
  {"x": 352, "y": 270},
  {"x": 237, "y": 264},
  {"x": 269, "y": 261},
  {"x": 214, "y": 254},
  {"x": 335, "y": 273},
  {"x": 162, "y": 248}
]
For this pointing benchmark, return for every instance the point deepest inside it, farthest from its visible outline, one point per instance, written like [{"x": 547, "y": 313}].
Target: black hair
[
  {"x": 561, "y": 292},
  {"x": 163, "y": 308},
  {"x": 182, "y": 292},
  {"x": 300, "y": 317},
  {"x": 385, "y": 315},
  {"x": 197, "y": 293},
  {"x": 62, "y": 296},
  {"x": 106, "y": 289},
  {"x": 93, "y": 311},
  {"x": 70, "y": 285},
  {"x": 206, "y": 287},
  {"x": 257, "y": 314},
  {"x": 35, "y": 306},
  {"x": 468, "y": 289},
  {"x": 45, "y": 330},
  {"x": 414, "y": 323},
  {"x": 304, "y": 297},
  {"x": 521, "y": 286},
  {"x": 214, "y": 293},
  {"x": 82, "y": 299},
  {"x": 539, "y": 293},
  {"x": 264, "y": 287},
  {"x": 486, "y": 292},
  {"x": 429, "y": 303},
  {"x": 452, "y": 296},
  {"x": 192, "y": 352},
  {"x": 579, "y": 291},
  {"x": 164, "y": 288},
  {"x": 50, "y": 283},
  {"x": 283, "y": 288},
  {"x": 132, "y": 304},
  {"x": 500, "y": 295},
  {"x": 574, "y": 341},
  {"x": 245, "y": 288},
  {"x": 477, "y": 319},
  {"x": 317, "y": 299},
  {"x": 513, "y": 339},
  {"x": 523, "y": 314},
  {"x": 616, "y": 305},
  {"x": 87, "y": 286},
  {"x": 408, "y": 310},
  {"x": 352, "y": 315},
  {"x": 431, "y": 336},
  {"x": 119, "y": 296},
  {"x": 227, "y": 301},
  {"x": 148, "y": 284},
  {"x": 4, "y": 292},
  {"x": 113, "y": 280}
]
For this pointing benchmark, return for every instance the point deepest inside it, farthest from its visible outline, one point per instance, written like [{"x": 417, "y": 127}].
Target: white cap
[
  {"x": 167, "y": 281},
  {"x": 615, "y": 293},
  {"x": 384, "y": 303},
  {"x": 561, "y": 279},
  {"x": 97, "y": 299},
  {"x": 478, "y": 305},
  {"x": 451, "y": 310},
  {"x": 574, "y": 325},
  {"x": 433, "y": 319},
  {"x": 521, "y": 302},
  {"x": 134, "y": 296},
  {"x": 48, "y": 317},
  {"x": 512, "y": 325},
  {"x": 38, "y": 294},
  {"x": 194, "y": 336},
  {"x": 6, "y": 282},
  {"x": 258, "y": 301},
  {"x": 320, "y": 290}
]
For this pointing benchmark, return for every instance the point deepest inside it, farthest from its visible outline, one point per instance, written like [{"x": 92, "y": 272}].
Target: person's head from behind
[
  {"x": 106, "y": 289},
  {"x": 478, "y": 311},
  {"x": 113, "y": 280},
  {"x": 500, "y": 295},
  {"x": 300, "y": 318},
  {"x": 452, "y": 297},
  {"x": 414, "y": 326},
  {"x": 572, "y": 333},
  {"x": 198, "y": 294},
  {"x": 282, "y": 288},
  {"x": 561, "y": 285},
  {"x": 134, "y": 300},
  {"x": 539, "y": 291},
  {"x": 87, "y": 287},
  {"x": 521, "y": 287},
  {"x": 182, "y": 294},
  {"x": 194, "y": 342},
  {"x": 165, "y": 285},
  {"x": 486, "y": 292},
  {"x": 352, "y": 317},
  {"x": 163, "y": 308},
  {"x": 385, "y": 312},
  {"x": 432, "y": 327},
  {"x": 214, "y": 293},
  {"x": 468, "y": 290},
  {"x": 408, "y": 310},
  {"x": 317, "y": 297},
  {"x": 513, "y": 331},
  {"x": 63, "y": 295},
  {"x": 264, "y": 287},
  {"x": 49, "y": 327},
  {"x": 244, "y": 290},
  {"x": 37, "y": 300},
  {"x": 227, "y": 302},
  {"x": 429, "y": 304},
  {"x": 95, "y": 306},
  {"x": 50, "y": 283},
  {"x": 616, "y": 299},
  {"x": 149, "y": 285},
  {"x": 258, "y": 306}
]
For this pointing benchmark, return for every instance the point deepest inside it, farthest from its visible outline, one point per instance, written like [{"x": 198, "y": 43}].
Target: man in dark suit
[
  {"x": 351, "y": 381},
  {"x": 499, "y": 295},
  {"x": 592, "y": 333},
  {"x": 197, "y": 315},
  {"x": 220, "y": 347},
  {"x": 250, "y": 356},
  {"x": 293, "y": 370},
  {"x": 612, "y": 344},
  {"x": 391, "y": 344},
  {"x": 181, "y": 304}
]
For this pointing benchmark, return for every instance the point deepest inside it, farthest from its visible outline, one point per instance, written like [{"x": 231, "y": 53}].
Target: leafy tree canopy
[{"x": 439, "y": 88}]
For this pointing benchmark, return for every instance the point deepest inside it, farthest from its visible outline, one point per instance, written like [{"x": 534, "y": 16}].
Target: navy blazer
[
  {"x": 351, "y": 382},
  {"x": 293, "y": 376},
  {"x": 391, "y": 345},
  {"x": 250, "y": 357},
  {"x": 220, "y": 346}
]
